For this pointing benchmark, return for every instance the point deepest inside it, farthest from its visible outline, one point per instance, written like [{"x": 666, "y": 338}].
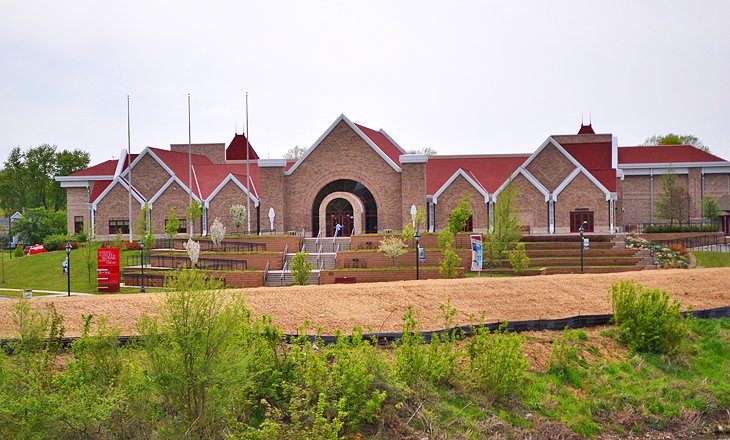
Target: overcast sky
[{"x": 460, "y": 77}]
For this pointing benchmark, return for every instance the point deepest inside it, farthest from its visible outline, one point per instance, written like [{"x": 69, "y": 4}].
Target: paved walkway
[{"x": 47, "y": 292}]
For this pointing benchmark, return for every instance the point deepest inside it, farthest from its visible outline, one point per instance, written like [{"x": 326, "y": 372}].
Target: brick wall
[
  {"x": 76, "y": 204},
  {"x": 215, "y": 152},
  {"x": 272, "y": 196},
  {"x": 378, "y": 259},
  {"x": 413, "y": 190},
  {"x": 254, "y": 260},
  {"x": 581, "y": 193},
  {"x": 341, "y": 155},
  {"x": 694, "y": 188},
  {"x": 115, "y": 206},
  {"x": 221, "y": 204},
  {"x": 374, "y": 276},
  {"x": 531, "y": 205},
  {"x": 448, "y": 200},
  {"x": 635, "y": 199},
  {"x": 148, "y": 176},
  {"x": 173, "y": 197},
  {"x": 550, "y": 167}
]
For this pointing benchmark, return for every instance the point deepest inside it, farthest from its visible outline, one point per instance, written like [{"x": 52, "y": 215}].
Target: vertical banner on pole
[{"x": 476, "y": 253}]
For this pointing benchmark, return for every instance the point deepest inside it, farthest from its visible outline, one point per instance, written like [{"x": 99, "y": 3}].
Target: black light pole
[
  {"x": 141, "y": 248},
  {"x": 581, "y": 230},
  {"x": 68, "y": 266},
  {"x": 417, "y": 236}
]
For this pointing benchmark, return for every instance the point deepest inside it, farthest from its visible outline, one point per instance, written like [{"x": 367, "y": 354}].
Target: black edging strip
[{"x": 384, "y": 339}]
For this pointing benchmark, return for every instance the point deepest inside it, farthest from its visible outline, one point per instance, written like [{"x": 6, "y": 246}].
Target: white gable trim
[
  {"x": 556, "y": 144},
  {"x": 530, "y": 178},
  {"x": 170, "y": 181},
  {"x": 381, "y": 131},
  {"x": 573, "y": 175},
  {"x": 145, "y": 152},
  {"x": 117, "y": 180},
  {"x": 356, "y": 130},
  {"x": 81, "y": 178},
  {"x": 230, "y": 178},
  {"x": 452, "y": 179},
  {"x": 120, "y": 163}
]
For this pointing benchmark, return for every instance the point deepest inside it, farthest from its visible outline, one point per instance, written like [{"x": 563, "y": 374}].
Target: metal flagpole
[
  {"x": 129, "y": 167},
  {"x": 190, "y": 171},
  {"x": 248, "y": 175}
]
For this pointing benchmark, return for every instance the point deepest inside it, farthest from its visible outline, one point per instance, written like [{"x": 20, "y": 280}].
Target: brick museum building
[{"x": 365, "y": 181}]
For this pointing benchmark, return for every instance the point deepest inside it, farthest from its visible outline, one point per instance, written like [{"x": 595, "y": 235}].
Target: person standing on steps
[{"x": 338, "y": 228}]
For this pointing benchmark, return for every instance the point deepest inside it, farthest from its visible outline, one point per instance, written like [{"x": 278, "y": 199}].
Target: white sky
[{"x": 460, "y": 77}]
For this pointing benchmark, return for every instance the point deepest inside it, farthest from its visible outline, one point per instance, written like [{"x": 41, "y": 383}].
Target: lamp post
[
  {"x": 68, "y": 267},
  {"x": 141, "y": 248},
  {"x": 581, "y": 230},
  {"x": 417, "y": 236}
]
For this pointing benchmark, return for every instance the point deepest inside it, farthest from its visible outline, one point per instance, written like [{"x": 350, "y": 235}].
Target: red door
[
  {"x": 578, "y": 217},
  {"x": 345, "y": 221}
]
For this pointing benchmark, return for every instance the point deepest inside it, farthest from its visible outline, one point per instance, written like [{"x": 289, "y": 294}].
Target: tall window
[
  {"x": 579, "y": 216},
  {"x": 78, "y": 224},
  {"x": 119, "y": 226}
]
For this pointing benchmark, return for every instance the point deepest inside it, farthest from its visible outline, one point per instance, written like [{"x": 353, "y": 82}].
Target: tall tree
[
  {"x": 506, "y": 231},
  {"x": 676, "y": 139}
]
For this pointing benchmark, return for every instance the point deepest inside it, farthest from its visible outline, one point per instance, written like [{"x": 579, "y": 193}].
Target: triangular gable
[
  {"x": 469, "y": 178},
  {"x": 564, "y": 184},
  {"x": 556, "y": 144},
  {"x": 170, "y": 181},
  {"x": 530, "y": 178},
  {"x": 123, "y": 182},
  {"x": 232, "y": 178},
  {"x": 148, "y": 151},
  {"x": 354, "y": 128}
]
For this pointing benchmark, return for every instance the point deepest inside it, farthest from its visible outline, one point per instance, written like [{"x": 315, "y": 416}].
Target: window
[
  {"x": 183, "y": 228},
  {"x": 577, "y": 218},
  {"x": 78, "y": 224},
  {"x": 119, "y": 226}
]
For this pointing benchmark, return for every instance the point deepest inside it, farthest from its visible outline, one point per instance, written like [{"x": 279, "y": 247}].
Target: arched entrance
[{"x": 348, "y": 202}]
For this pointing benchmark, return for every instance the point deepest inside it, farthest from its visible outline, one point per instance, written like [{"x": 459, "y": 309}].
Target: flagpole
[
  {"x": 248, "y": 175},
  {"x": 129, "y": 167},
  {"x": 190, "y": 171}
]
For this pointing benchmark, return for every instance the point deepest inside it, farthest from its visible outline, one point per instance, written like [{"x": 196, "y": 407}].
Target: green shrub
[
  {"x": 518, "y": 258},
  {"x": 658, "y": 229},
  {"x": 18, "y": 252},
  {"x": 565, "y": 359},
  {"x": 646, "y": 319},
  {"x": 449, "y": 264},
  {"x": 300, "y": 268},
  {"x": 497, "y": 363},
  {"x": 53, "y": 242}
]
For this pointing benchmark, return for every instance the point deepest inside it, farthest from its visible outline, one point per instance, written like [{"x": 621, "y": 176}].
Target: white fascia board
[
  {"x": 657, "y": 165},
  {"x": 573, "y": 175},
  {"x": 170, "y": 181},
  {"x": 381, "y": 131},
  {"x": 413, "y": 158},
  {"x": 81, "y": 178},
  {"x": 328, "y": 131},
  {"x": 472, "y": 182},
  {"x": 120, "y": 163},
  {"x": 654, "y": 171},
  {"x": 556, "y": 144},
  {"x": 149, "y": 151},
  {"x": 120, "y": 181},
  {"x": 717, "y": 170},
  {"x": 271, "y": 163},
  {"x": 75, "y": 184},
  {"x": 230, "y": 178}
]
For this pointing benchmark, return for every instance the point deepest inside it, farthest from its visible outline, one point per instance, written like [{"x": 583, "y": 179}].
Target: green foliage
[
  {"x": 710, "y": 208},
  {"x": 409, "y": 231},
  {"x": 173, "y": 224},
  {"x": 497, "y": 363},
  {"x": 450, "y": 263},
  {"x": 506, "y": 231},
  {"x": 460, "y": 215},
  {"x": 673, "y": 202},
  {"x": 38, "y": 223},
  {"x": 676, "y": 139},
  {"x": 658, "y": 229},
  {"x": 392, "y": 247},
  {"x": 18, "y": 252},
  {"x": 238, "y": 214},
  {"x": 518, "y": 258},
  {"x": 566, "y": 360},
  {"x": 193, "y": 213},
  {"x": 712, "y": 259},
  {"x": 52, "y": 242},
  {"x": 647, "y": 321},
  {"x": 300, "y": 268}
]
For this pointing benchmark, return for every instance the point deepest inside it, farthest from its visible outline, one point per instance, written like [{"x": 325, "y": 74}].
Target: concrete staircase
[
  {"x": 326, "y": 245},
  {"x": 322, "y": 255}
]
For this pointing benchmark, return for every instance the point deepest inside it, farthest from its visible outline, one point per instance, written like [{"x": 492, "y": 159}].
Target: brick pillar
[
  {"x": 413, "y": 185},
  {"x": 694, "y": 188},
  {"x": 271, "y": 192}
]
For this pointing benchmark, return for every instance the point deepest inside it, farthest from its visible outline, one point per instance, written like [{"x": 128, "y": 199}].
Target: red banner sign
[{"x": 108, "y": 263}]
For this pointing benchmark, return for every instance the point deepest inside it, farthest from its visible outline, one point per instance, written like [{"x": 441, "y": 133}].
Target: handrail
[
  {"x": 319, "y": 274},
  {"x": 338, "y": 248},
  {"x": 286, "y": 249},
  {"x": 266, "y": 272},
  {"x": 319, "y": 236},
  {"x": 283, "y": 271}
]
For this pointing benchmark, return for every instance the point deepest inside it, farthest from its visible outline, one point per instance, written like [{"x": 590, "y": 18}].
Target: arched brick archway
[{"x": 358, "y": 211}]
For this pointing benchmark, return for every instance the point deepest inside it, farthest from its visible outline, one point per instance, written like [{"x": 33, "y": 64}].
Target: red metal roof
[
  {"x": 489, "y": 171},
  {"x": 106, "y": 168},
  {"x": 607, "y": 177},
  {"x": 664, "y": 154},
  {"x": 98, "y": 188},
  {"x": 591, "y": 156},
  {"x": 178, "y": 163},
  {"x": 210, "y": 176},
  {"x": 382, "y": 141},
  {"x": 586, "y": 129},
  {"x": 237, "y": 149}
]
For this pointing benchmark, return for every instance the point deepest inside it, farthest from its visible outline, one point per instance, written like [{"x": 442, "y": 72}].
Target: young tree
[
  {"x": 672, "y": 203},
  {"x": 506, "y": 231},
  {"x": 518, "y": 258},
  {"x": 449, "y": 264},
  {"x": 238, "y": 214},
  {"x": 460, "y": 215},
  {"x": 392, "y": 247},
  {"x": 300, "y": 268},
  {"x": 710, "y": 209},
  {"x": 143, "y": 226},
  {"x": 193, "y": 214},
  {"x": 173, "y": 223},
  {"x": 193, "y": 249},
  {"x": 217, "y": 232},
  {"x": 89, "y": 253}
]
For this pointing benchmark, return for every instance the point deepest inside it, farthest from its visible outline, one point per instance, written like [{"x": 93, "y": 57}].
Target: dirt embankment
[{"x": 379, "y": 306}]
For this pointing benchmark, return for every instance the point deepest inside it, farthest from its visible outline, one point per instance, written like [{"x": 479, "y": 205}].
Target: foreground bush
[{"x": 646, "y": 319}]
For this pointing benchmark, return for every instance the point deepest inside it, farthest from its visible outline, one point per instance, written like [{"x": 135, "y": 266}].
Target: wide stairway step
[{"x": 280, "y": 278}]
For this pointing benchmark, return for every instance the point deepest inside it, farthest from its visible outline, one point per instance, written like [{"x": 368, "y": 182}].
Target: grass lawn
[
  {"x": 44, "y": 271},
  {"x": 712, "y": 259}
]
